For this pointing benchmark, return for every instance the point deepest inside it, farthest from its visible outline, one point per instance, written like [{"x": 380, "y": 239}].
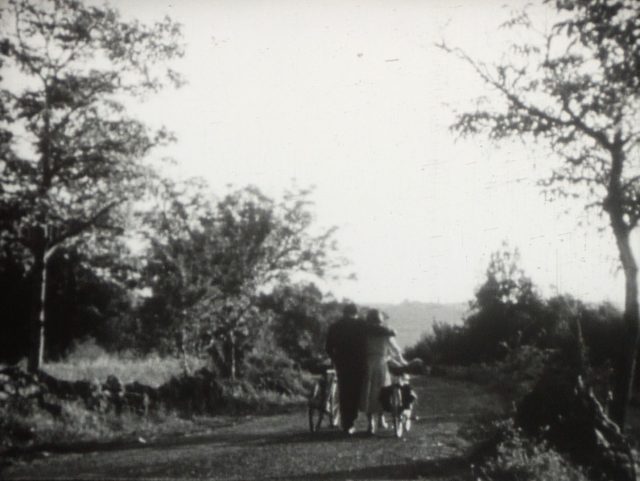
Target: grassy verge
[
  {"x": 514, "y": 455},
  {"x": 27, "y": 423},
  {"x": 76, "y": 424},
  {"x": 511, "y": 378},
  {"x": 151, "y": 370}
]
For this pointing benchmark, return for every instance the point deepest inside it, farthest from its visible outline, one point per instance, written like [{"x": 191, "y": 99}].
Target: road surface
[{"x": 279, "y": 447}]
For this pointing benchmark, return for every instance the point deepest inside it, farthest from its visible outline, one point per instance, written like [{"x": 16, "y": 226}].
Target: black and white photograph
[{"x": 320, "y": 240}]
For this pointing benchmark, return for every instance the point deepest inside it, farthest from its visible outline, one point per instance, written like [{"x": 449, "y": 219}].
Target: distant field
[{"x": 412, "y": 319}]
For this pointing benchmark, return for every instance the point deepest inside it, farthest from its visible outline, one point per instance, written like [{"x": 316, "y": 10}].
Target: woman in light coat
[{"x": 380, "y": 347}]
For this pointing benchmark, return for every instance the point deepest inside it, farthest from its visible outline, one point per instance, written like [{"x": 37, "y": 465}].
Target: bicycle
[
  {"x": 323, "y": 400},
  {"x": 400, "y": 400}
]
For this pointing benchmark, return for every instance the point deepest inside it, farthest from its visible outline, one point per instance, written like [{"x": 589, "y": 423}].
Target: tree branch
[
  {"x": 532, "y": 110},
  {"x": 78, "y": 228}
]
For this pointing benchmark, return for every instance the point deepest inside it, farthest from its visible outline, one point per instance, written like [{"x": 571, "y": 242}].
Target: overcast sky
[{"x": 352, "y": 97}]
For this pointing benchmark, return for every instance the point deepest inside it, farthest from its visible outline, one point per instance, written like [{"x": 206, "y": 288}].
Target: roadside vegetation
[
  {"x": 214, "y": 311},
  {"x": 107, "y": 397},
  {"x": 551, "y": 360},
  {"x": 571, "y": 91},
  {"x": 87, "y": 360}
]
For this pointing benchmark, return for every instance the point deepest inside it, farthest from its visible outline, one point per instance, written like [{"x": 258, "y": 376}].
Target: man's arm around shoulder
[{"x": 382, "y": 331}]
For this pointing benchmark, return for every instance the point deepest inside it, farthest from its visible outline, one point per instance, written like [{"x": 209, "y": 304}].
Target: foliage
[
  {"x": 73, "y": 157},
  {"x": 512, "y": 377},
  {"x": 505, "y": 309},
  {"x": 508, "y": 314},
  {"x": 15, "y": 297},
  {"x": 300, "y": 315},
  {"x": 89, "y": 361},
  {"x": 209, "y": 263},
  {"x": 519, "y": 458},
  {"x": 39, "y": 409},
  {"x": 269, "y": 368},
  {"x": 83, "y": 153},
  {"x": 88, "y": 294},
  {"x": 574, "y": 90},
  {"x": 441, "y": 347},
  {"x": 76, "y": 423}
]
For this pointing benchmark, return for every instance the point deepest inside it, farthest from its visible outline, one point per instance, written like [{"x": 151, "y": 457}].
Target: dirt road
[{"x": 280, "y": 447}]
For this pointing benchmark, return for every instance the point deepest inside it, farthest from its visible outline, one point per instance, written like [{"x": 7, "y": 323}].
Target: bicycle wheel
[
  {"x": 396, "y": 411},
  {"x": 407, "y": 421},
  {"x": 334, "y": 406},
  {"x": 315, "y": 408}
]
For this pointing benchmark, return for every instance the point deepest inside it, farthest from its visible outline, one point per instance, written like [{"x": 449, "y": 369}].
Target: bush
[
  {"x": 514, "y": 457},
  {"x": 268, "y": 368},
  {"x": 29, "y": 425},
  {"x": 490, "y": 335},
  {"x": 508, "y": 312},
  {"x": 85, "y": 350}
]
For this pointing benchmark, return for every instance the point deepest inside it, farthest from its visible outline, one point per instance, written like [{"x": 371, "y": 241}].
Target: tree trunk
[
  {"x": 231, "y": 359},
  {"x": 182, "y": 346},
  {"x": 38, "y": 310},
  {"x": 626, "y": 363}
]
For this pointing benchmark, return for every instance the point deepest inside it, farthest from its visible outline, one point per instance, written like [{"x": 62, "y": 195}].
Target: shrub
[
  {"x": 514, "y": 457},
  {"x": 558, "y": 323},
  {"x": 24, "y": 426},
  {"x": 85, "y": 350},
  {"x": 268, "y": 368},
  {"x": 508, "y": 312}
]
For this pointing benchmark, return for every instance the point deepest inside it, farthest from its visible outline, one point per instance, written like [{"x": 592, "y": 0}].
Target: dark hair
[
  {"x": 374, "y": 316},
  {"x": 350, "y": 310}
]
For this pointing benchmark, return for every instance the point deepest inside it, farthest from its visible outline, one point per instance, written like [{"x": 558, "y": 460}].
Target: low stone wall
[{"x": 197, "y": 393}]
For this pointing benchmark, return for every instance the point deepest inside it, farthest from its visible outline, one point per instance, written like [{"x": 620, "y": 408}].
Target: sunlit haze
[{"x": 354, "y": 98}]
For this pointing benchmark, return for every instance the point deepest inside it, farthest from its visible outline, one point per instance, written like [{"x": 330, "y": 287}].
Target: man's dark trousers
[
  {"x": 345, "y": 346},
  {"x": 350, "y": 376}
]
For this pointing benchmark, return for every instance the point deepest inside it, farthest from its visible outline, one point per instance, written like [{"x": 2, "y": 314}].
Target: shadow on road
[
  {"x": 444, "y": 467},
  {"x": 243, "y": 439}
]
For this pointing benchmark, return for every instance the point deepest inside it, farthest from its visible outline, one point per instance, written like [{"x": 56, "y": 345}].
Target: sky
[{"x": 354, "y": 98}]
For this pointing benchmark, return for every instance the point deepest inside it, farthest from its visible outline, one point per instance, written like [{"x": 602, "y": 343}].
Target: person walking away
[
  {"x": 345, "y": 347},
  {"x": 380, "y": 347}
]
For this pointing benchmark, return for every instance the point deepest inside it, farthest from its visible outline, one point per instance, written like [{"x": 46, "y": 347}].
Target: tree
[
  {"x": 575, "y": 89},
  {"x": 173, "y": 271},
  {"x": 74, "y": 158},
  {"x": 506, "y": 312},
  {"x": 505, "y": 283},
  {"x": 210, "y": 261},
  {"x": 89, "y": 295},
  {"x": 301, "y": 316}
]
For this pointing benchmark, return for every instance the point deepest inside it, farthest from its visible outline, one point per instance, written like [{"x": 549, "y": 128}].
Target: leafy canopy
[
  {"x": 71, "y": 154},
  {"x": 210, "y": 261}
]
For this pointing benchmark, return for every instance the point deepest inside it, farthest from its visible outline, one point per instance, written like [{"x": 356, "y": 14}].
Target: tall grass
[
  {"x": 152, "y": 371},
  {"x": 88, "y": 361}
]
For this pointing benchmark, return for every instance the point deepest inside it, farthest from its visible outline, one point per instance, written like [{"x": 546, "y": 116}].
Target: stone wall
[{"x": 198, "y": 393}]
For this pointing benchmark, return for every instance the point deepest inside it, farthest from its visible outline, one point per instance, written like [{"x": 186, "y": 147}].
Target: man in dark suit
[{"x": 345, "y": 348}]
